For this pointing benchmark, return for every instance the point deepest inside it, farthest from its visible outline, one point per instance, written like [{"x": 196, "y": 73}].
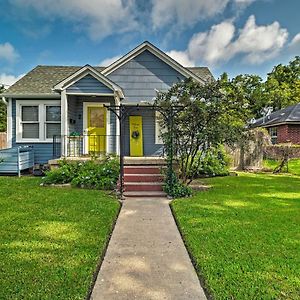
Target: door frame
[{"x": 85, "y": 121}]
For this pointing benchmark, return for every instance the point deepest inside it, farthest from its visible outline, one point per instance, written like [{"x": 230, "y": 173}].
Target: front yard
[
  {"x": 244, "y": 236},
  {"x": 51, "y": 238}
]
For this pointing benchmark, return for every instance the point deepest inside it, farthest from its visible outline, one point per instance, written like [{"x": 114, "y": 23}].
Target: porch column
[
  {"x": 117, "y": 101},
  {"x": 64, "y": 122},
  {"x": 9, "y": 123}
]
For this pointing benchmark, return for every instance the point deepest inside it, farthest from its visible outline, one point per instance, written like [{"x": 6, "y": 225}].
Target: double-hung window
[
  {"x": 52, "y": 123},
  {"x": 30, "y": 122},
  {"x": 273, "y": 134},
  {"x": 37, "y": 120}
]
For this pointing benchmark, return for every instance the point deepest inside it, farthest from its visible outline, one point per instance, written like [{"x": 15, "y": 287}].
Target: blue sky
[{"x": 236, "y": 36}]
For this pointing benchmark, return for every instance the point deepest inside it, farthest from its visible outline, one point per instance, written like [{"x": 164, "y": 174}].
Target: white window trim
[
  {"x": 84, "y": 119},
  {"x": 158, "y": 139},
  {"x": 42, "y": 119}
]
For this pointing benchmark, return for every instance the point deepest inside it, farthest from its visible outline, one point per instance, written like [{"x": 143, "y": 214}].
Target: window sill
[{"x": 34, "y": 141}]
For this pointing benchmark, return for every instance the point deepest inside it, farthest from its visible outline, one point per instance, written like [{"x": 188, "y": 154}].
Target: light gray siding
[
  {"x": 149, "y": 146},
  {"x": 89, "y": 84},
  {"x": 141, "y": 76}
]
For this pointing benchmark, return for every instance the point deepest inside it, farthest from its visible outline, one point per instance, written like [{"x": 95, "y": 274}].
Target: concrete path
[{"x": 146, "y": 257}]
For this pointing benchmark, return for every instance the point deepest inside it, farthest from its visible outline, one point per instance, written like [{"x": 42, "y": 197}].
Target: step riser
[
  {"x": 144, "y": 196},
  {"x": 142, "y": 171},
  {"x": 141, "y": 188},
  {"x": 143, "y": 178}
]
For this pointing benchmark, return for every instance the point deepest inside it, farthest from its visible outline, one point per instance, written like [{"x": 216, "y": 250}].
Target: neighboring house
[
  {"x": 60, "y": 110},
  {"x": 283, "y": 125}
]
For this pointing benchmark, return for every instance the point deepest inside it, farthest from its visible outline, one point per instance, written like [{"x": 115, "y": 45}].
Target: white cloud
[
  {"x": 99, "y": 18},
  {"x": 211, "y": 46},
  {"x": 184, "y": 13},
  {"x": 108, "y": 61},
  {"x": 182, "y": 57},
  {"x": 244, "y": 2},
  {"x": 8, "y": 80},
  {"x": 259, "y": 42},
  {"x": 295, "y": 41},
  {"x": 221, "y": 43},
  {"x": 8, "y": 52}
]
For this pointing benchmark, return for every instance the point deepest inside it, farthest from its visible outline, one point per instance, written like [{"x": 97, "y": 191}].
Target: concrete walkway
[{"x": 146, "y": 257}]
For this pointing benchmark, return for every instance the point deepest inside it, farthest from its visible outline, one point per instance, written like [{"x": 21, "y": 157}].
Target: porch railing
[{"x": 83, "y": 145}]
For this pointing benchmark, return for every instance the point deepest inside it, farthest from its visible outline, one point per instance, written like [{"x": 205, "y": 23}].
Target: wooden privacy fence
[{"x": 3, "y": 143}]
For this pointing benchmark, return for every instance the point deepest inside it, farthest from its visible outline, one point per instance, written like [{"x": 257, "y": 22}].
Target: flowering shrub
[{"x": 91, "y": 174}]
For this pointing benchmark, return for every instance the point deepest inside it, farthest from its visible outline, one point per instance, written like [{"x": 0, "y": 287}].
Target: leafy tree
[
  {"x": 248, "y": 89},
  {"x": 2, "y": 112},
  {"x": 209, "y": 115},
  {"x": 282, "y": 87}
]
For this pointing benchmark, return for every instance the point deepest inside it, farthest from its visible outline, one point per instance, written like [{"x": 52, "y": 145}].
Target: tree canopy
[{"x": 281, "y": 88}]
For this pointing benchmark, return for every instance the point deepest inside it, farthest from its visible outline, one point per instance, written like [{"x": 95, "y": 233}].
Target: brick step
[
  {"x": 143, "y": 178},
  {"x": 149, "y": 194},
  {"x": 143, "y": 186},
  {"x": 142, "y": 170}
]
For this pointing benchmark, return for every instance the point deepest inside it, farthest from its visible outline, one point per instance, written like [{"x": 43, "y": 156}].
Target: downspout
[{"x": 3, "y": 99}]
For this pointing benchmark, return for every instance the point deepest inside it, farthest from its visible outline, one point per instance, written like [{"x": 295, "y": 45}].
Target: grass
[
  {"x": 293, "y": 165},
  {"x": 244, "y": 237},
  {"x": 51, "y": 238}
]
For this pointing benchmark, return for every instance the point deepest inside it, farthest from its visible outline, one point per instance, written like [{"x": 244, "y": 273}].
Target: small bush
[
  {"x": 174, "y": 188},
  {"x": 215, "y": 162},
  {"x": 91, "y": 174}
]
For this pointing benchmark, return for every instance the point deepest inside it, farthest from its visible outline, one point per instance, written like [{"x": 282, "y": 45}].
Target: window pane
[
  {"x": 30, "y": 131},
  {"x": 30, "y": 113},
  {"x": 53, "y": 113},
  {"x": 96, "y": 117},
  {"x": 52, "y": 129}
]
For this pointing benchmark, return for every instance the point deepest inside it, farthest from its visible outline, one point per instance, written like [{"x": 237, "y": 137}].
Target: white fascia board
[{"x": 87, "y": 70}]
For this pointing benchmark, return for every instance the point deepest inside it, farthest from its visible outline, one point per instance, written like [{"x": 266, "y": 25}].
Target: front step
[
  {"x": 143, "y": 178},
  {"x": 143, "y": 186},
  {"x": 143, "y": 181},
  {"x": 149, "y": 194},
  {"x": 142, "y": 170}
]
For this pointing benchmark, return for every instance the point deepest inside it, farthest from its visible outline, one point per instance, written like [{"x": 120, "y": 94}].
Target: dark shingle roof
[
  {"x": 202, "y": 72},
  {"x": 42, "y": 79},
  {"x": 290, "y": 114}
]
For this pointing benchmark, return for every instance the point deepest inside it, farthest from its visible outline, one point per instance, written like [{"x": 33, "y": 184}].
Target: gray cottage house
[{"x": 62, "y": 111}]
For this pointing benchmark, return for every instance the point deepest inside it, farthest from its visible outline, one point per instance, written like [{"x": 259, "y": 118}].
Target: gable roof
[
  {"x": 41, "y": 80},
  {"x": 290, "y": 114},
  {"x": 157, "y": 52},
  {"x": 82, "y": 72}
]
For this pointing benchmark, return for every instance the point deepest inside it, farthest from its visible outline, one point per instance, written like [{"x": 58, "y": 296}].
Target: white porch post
[
  {"x": 117, "y": 101},
  {"x": 64, "y": 122},
  {"x": 9, "y": 123}
]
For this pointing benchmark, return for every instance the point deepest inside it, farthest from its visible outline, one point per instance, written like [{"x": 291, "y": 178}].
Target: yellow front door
[
  {"x": 96, "y": 127},
  {"x": 136, "y": 135}
]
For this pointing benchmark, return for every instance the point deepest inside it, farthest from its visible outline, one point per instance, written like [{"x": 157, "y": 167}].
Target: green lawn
[
  {"x": 51, "y": 238},
  {"x": 293, "y": 165},
  {"x": 244, "y": 235}
]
